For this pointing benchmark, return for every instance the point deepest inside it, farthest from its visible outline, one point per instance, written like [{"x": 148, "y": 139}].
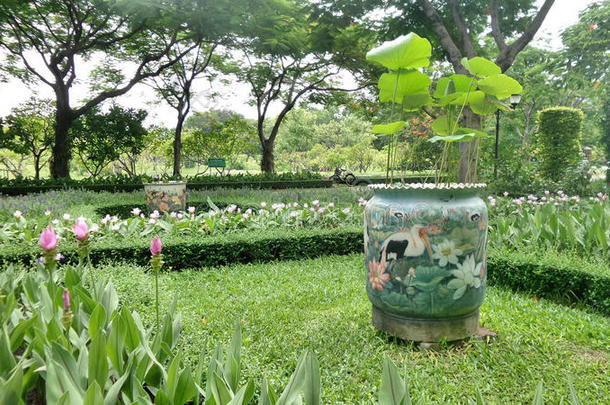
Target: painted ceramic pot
[
  {"x": 425, "y": 259},
  {"x": 169, "y": 196}
]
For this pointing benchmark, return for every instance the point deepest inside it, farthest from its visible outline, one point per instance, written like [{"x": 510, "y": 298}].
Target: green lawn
[{"x": 321, "y": 305}]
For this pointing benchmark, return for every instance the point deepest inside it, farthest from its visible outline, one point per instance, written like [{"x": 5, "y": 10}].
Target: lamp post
[{"x": 514, "y": 100}]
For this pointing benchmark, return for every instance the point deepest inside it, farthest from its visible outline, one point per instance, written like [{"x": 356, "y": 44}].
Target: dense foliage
[{"x": 558, "y": 140}]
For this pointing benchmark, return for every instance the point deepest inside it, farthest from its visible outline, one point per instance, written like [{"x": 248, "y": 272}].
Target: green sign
[{"x": 217, "y": 162}]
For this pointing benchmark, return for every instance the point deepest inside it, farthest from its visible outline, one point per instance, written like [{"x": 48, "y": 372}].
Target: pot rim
[
  {"x": 168, "y": 183},
  {"x": 428, "y": 186}
]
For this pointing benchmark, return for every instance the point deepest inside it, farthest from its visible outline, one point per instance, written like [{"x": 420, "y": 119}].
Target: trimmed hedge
[
  {"x": 558, "y": 140},
  {"x": 123, "y": 211},
  {"x": 123, "y": 183},
  {"x": 511, "y": 270}
]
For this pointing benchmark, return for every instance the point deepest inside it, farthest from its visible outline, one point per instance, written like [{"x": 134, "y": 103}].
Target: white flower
[
  {"x": 305, "y": 205},
  {"x": 320, "y": 210},
  {"x": 315, "y": 203},
  {"x": 296, "y": 204},
  {"x": 263, "y": 204},
  {"x": 142, "y": 216},
  {"x": 116, "y": 227},
  {"x": 136, "y": 211},
  {"x": 232, "y": 208},
  {"x": 47, "y": 213},
  {"x": 446, "y": 252},
  {"x": 191, "y": 210},
  {"x": 17, "y": 214},
  {"x": 294, "y": 214},
  {"x": 94, "y": 228},
  {"x": 468, "y": 274},
  {"x": 246, "y": 215},
  {"x": 81, "y": 219},
  {"x": 155, "y": 214},
  {"x": 505, "y": 194},
  {"x": 179, "y": 216},
  {"x": 331, "y": 205},
  {"x": 55, "y": 221},
  {"x": 152, "y": 221},
  {"x": 66, "y": 217},
  {"x": 345, "y": 211},
  {"x": 172, "y": 214}
]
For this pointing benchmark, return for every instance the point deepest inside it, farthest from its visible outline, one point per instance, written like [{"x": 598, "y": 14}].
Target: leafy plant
[{"x": 408, "y": 89}]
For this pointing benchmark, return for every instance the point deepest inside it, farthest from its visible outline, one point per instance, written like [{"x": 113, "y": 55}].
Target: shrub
[{"x": 558, "y": 140}]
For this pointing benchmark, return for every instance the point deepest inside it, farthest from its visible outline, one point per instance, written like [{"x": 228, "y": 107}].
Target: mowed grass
[{"x": 321, "y": 305}]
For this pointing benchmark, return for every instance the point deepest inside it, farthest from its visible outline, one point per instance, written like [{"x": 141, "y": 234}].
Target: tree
[
  {"x": 225, "y": 139},
  {"x": 291, "y": 58},
  {"x": 47, "y": 40},
  {"x": 175, "y": 85},
  {"x": 457, "y": 29},
  {"x": 100, "y": 138},
  {"x": 30, "y": 132}
]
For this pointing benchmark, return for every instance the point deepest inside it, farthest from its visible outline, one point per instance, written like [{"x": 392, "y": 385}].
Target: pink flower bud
[
  {"x": 155, "y": 246},
  {"x": 81, "y": 230},
  {"x": 48, "y": 239},
  {"x": 66, "y": 298}
]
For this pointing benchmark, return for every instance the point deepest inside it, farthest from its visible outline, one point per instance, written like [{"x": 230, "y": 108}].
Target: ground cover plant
[{"x": 321, "y": 305}]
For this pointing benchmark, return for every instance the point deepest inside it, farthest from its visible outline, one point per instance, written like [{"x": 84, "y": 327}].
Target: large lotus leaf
[
  {"x": 442, "y": 126},
  {"x": 414, "y": 102},
  {"x": 461, "y": 135},
  {"x": 481, "y": 67},
  {"x": 405, "y": 52},
  {"x": 461, "y": 83},
  {"x": 501, "y": 86},
  {"x": 411, "y": 82},
  {"x": 482, "y": 104},
  {"x": 389, "y": 128}
]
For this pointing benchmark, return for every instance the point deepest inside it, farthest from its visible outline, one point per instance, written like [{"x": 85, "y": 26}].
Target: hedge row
[
  {"x": 110, "y": 187},
  {"x": 509, "y": 270}
]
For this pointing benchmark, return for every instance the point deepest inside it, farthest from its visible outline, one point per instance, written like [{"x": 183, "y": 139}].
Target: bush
[{"x": 558, "y": 140}]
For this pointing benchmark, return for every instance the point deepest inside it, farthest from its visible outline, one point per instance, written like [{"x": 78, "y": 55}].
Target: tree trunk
[
  {"x": 267, "y": 160},
  {"x": 37, "y": 167},
  {"x": 467, "y": 169},
  {"x": 60, "y": 161},
  {"x": 178, "y": 144}
]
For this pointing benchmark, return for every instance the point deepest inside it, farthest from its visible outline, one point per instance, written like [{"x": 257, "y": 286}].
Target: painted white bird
[{"x": 406, "y": 243}]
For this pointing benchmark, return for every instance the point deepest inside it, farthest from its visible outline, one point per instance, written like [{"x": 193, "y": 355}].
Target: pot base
[{"x": 426, "y": 330}]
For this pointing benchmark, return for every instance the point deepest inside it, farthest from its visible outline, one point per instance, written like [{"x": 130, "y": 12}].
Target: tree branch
[
  {"x": 465, "y": 38},
  {"x": 495, "y": 26},
  {"x": 507, "y": 56},
  {"x": 451, "y": 50}
]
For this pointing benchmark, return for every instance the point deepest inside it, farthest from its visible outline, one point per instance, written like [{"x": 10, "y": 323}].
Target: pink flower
[
  {"x": 191, "y": 210},
  {"x": 155, "y": 246},
  {"x": 66, "y": 298},
  {"x": 172, "y": 214},
  {"x": 48, "y": 239},
  {"x": 81, "y": 230},
  {"x": 377, "y": 275}
]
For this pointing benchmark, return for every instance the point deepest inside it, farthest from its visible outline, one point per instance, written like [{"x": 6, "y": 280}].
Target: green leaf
[
  {"x": 414, "y": 102},
  {"x": 128, "y": 326},
  {"x": 481, "y": 67},
  {"x": 10, "y": 391},
  {"x": 221, "y": 390},
  {"x": 267, "y": 396},
  {"x": 501, "y": 86},
  {"x": 573, "y": 396},
  {"x": 244, "y": 395},
  {"x": 69, "y": 370},
  {"x": 94, "y": 396},
  {"x": 482, "y": 104},
  {"x": 7, "y": 360},
  {"x": 295, "y": 384},
  {"x": 443, "y": 126},
  {"x": 312, "y": 381},
  {"x": 392, "y": 390},
  {"x": 454, "y": 84},
  {"x": 405, "y": 52},
  {"x": 161, "y": 398},
  {"x": 185, "y": 388},
  {"x": 389, "y": 129},
  {"x": 232, "y": 364},
  {"x": 409, "y": 83},
  {"x": 97, "y": 321},
  {"x": 113, "y": 393},
  {"x": 98, "y": 361}
]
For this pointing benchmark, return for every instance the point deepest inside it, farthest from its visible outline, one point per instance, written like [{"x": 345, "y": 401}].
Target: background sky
[{"x": 562, "y": 14}]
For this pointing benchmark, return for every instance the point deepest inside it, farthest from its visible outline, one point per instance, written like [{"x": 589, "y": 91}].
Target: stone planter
[
  {"x": 425, "y": 259},
  {"x": 170, "y": 196}
]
